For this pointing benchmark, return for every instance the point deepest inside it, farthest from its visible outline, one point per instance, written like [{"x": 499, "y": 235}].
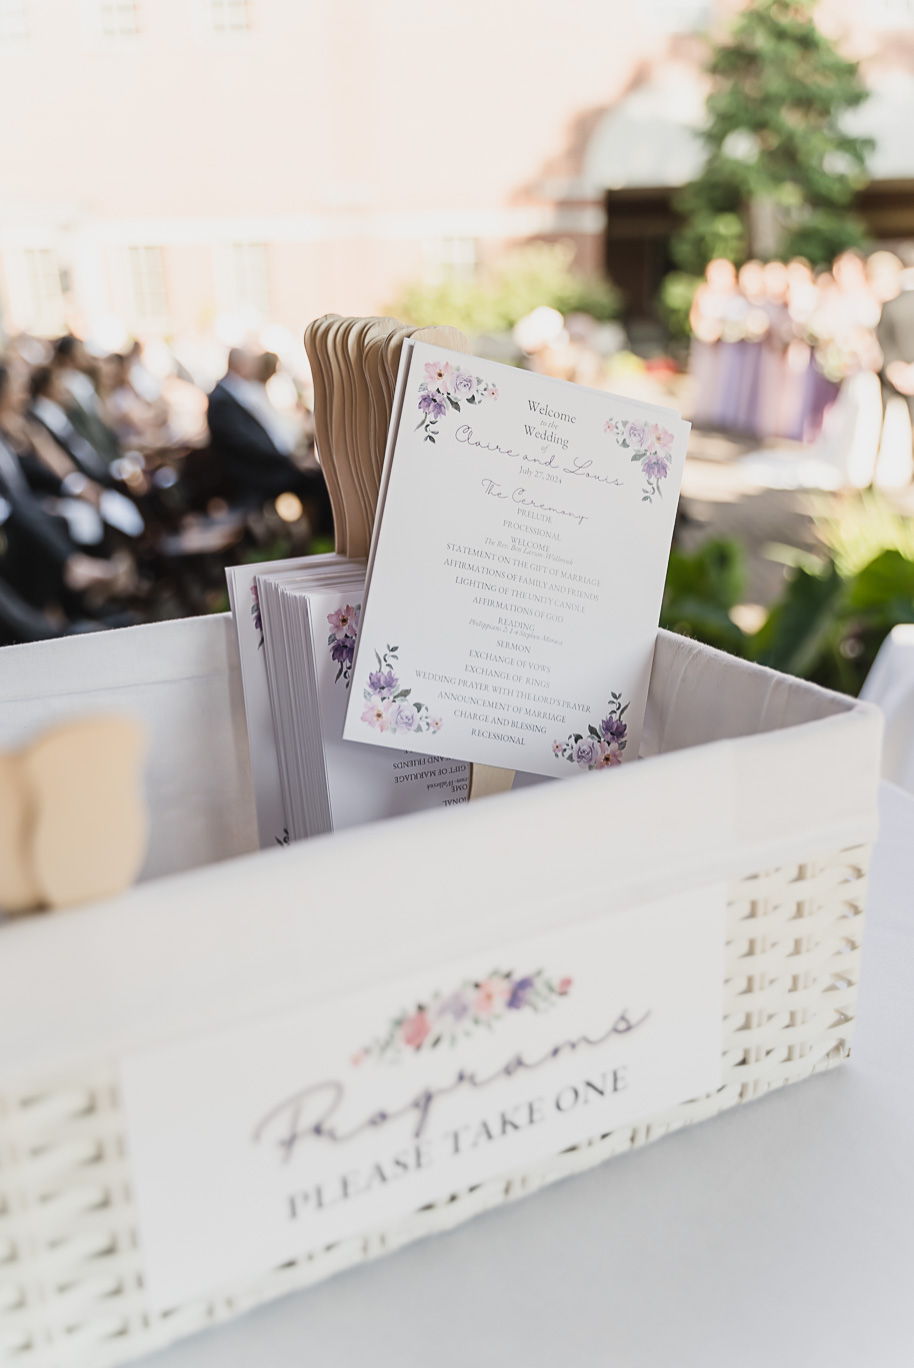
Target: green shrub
[
  {"x": 535, "y": 274},
  {"x": 677, "y": 291},
  {"x": 827, "y": 626}
]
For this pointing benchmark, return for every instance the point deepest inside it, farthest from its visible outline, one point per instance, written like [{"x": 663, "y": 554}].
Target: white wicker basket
[{"x": 776, "y": 794}]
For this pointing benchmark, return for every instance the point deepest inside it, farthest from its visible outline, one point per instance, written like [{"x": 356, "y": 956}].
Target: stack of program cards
[{"x": 297, "y": 624}]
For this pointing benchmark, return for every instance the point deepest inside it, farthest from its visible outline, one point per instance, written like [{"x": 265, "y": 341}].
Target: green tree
[{"x": 781, "y": 172}]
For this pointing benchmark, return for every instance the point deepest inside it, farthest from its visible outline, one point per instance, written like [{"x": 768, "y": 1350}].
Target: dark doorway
[
  {"x": 887, "y": 208},
  {"x": 639, "y": 225}
]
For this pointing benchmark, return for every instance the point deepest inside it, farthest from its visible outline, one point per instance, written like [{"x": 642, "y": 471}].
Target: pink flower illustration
[
  {"x": 565, "y": 985},
  {"x": 557, "y": 747},
  {"x": 343, "y": 622},
  {"x": 610, "y": 754},
  {"x": 491, "y": 995},
  {"x": 414, "y": 1029},
  {"x": 660, "y": 437},
  {"x": 434, "y": 724},
  {"x": 377, "y": 713},
  {"x": 439, "y": 376},
  {"x": 491, "y": 391}
]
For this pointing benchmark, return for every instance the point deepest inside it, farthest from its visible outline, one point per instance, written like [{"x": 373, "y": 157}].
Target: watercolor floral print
[
  {"x": 602, "y": 747},
  {"x": 447, "y": 1018},
  {"x": 388, "y": 708},
  {"x": 650, "y": 445},
  {"x": 256, "y": 619},
  {"x": 445, "y": 387},
  {"x": 344, "y": 628}
]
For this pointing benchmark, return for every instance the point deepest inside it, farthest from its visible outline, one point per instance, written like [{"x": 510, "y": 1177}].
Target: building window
[
  {"x": 148, "y": 296},
  {"x": 116, "y": 18},
  {"x": 242, "y": 278},
  {"x": 13, "y": 24},
  {"x": 227, "y": 16},
  {"x": 449, "y": 258},
  {"x": 45, "y": 292}
]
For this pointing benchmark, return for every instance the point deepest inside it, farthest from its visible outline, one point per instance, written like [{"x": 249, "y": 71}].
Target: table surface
[{"x": 781, "y": 1232}]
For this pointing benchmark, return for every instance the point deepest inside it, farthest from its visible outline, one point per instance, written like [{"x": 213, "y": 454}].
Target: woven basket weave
[{"x": 71, "y": 1283}]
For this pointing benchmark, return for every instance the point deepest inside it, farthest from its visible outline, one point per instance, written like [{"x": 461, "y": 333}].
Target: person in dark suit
[
  {"x": 49, "y": 399},
  {"x": 249, "y": 453},
  {"x": 43, "y": 572},
  {"x": 73, "y": 366}
]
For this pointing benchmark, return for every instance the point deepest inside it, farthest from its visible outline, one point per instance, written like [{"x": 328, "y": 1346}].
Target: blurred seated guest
[
  {"x": 136, "y": 421},
  {"x": 47, "y": 412},
  {"x": 50, "y": 398},
  {"x": 250, "y": 444},
  {"x": 146, "y": 384},
  {"x": 40, "y": 563},
  {"x": 73, "y": 365}
]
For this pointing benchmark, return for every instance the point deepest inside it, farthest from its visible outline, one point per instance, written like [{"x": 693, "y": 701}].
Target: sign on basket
[{"x": 259, "y": 1145}]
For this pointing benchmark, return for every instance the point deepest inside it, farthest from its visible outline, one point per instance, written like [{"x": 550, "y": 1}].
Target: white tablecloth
[{"x": 780, "y": 1233}]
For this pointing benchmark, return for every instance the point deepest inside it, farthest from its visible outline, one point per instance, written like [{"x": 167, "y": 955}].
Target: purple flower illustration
[
  {"x": 522, "y": 989},
  {"x": 636, "y": 434},
  {"x": 586, "y": 752},
  {"x": 454, "y": 1007},
  {"x": 383, "y": 682},
  {"x": 656, "y": 468},
  {"x": 403, "y": 717},
  {"x": 613, "y": 728},
  {"x": 255, "y": 614},
  {"x": 343, "y": 650},
  {"x": 464, "y": 384},
  {"x": 433, "y": 405},
  {"x": 602, "y": 747}
]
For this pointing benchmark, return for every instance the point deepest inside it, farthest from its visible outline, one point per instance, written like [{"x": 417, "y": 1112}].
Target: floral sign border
[
  {"x": 650, "y": 445},
  {"x": 443, "y": 388},
  {"x": 447, "y": 1018}
]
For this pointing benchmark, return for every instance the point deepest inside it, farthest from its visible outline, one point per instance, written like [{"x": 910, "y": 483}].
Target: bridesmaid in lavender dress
[{"x": 710, "y": 306}]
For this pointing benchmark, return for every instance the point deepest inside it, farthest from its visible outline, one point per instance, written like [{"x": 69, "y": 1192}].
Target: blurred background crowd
[
  {"x": 705, "y": 204},
  {"x": 125, "y": 489},
  {"x": 777, "y": 349}
]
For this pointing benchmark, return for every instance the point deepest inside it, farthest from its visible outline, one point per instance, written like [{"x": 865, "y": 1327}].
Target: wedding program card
[
  {"x": 258, "y": 1145},
  {"x": 515, "y": 581}
]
